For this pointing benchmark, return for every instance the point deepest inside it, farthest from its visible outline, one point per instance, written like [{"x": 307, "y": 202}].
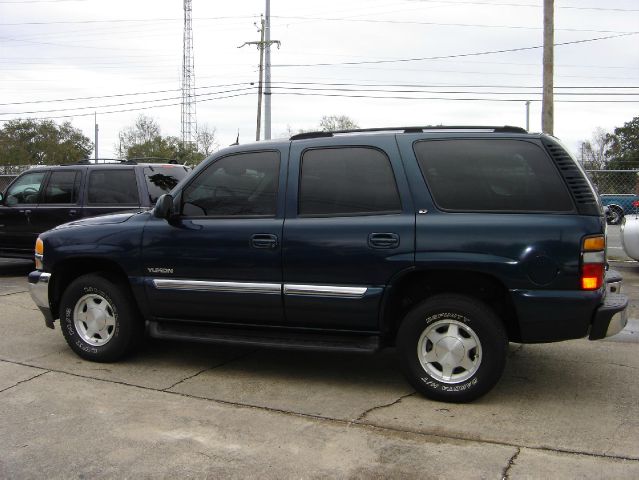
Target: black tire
[
  {"x": 456, "y": 323},
  {"x": 99, "y": 318},
  {"x": 614, "y": 215}
]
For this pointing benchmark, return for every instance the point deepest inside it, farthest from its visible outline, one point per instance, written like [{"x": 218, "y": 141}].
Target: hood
[{"x": 100, "y": 220}]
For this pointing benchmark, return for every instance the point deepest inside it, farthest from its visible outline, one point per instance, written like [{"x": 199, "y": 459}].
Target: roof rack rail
[{"x": 496, "y": 129}]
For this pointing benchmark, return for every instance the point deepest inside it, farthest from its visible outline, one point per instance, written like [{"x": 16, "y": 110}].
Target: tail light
[{"x": 593, "y": 262}]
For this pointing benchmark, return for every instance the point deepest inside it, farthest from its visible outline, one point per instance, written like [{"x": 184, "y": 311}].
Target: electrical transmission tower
[{"x": 189, "y": 123}]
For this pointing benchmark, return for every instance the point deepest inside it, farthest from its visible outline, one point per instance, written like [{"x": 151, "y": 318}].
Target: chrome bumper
[{"x": 39, "y": 290}]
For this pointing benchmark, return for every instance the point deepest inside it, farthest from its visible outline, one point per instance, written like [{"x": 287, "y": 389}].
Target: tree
[
  {"x": 333, "y": 123},
  {"x": 593, "y": 151},
  {"x": 206, "y": 141},
  {"x": 42, "y": 142},
  {"x": 623, "y": 149},
  {"x": 144, "y": 140}
]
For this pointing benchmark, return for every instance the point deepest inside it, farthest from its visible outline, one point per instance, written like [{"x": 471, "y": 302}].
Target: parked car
[
  {"x": 629, "y": 233},
  {"x": 44, "y": 197},
  {"x": 446, "y": 243},
  {"x": 619, "y": 205}
]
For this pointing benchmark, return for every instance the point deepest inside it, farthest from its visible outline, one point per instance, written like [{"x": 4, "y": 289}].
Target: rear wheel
[
  {"x": 452, "y": 348},
  {"x": 99, "y": 319},
  {"x": 614, "y": 215}
]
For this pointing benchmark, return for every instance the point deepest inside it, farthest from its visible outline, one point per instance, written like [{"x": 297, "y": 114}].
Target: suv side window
[
  {"x": 347, "y": 181},
  {"x": 63, "y": 187},
  {"x": 244, "y": 184},
  {"x": 491, "y": 175},
  {"x": 110, "y": 187},
  {"x": 26, "y": 189}
]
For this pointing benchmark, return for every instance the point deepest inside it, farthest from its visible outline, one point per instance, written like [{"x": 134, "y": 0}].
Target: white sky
[{"x": 59, "y": 49}]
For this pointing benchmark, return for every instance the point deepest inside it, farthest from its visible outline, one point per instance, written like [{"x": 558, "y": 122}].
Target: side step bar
[{"x": 265, "y": 339}]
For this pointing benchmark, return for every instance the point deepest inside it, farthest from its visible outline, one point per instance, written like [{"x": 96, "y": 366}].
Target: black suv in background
[{"x": 44, "y": 197}]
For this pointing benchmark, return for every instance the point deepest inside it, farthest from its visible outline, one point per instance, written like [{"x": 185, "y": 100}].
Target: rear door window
[
  {"x": 162, "y": 179},
  {"x": 113, "y": 187},
  {"x": 492, "y": 175},
  {"x": 347, "y": 181},
  {"x": 62, "y": 188}
]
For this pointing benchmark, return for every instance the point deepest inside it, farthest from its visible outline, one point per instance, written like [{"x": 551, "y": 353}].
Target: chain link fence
[
  {"x": 615, "y": 182},
  {"x": 9, "y": 172}
]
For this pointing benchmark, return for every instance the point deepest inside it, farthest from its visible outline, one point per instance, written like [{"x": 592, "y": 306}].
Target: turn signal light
[
  {"x": 39, "y": 253},
  {"x": 592, "y": 244}
]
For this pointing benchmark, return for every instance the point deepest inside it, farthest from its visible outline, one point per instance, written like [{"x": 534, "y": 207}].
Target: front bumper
[{"x": 39, "y": 290}]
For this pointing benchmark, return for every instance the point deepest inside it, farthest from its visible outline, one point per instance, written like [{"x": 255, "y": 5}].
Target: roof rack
[{"x": 501, "y": 129}]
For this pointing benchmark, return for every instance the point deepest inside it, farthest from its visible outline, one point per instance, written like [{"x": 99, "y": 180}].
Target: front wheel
[
  {"x": 99, "y": 319},
  {"x": 452, "y": 348}
]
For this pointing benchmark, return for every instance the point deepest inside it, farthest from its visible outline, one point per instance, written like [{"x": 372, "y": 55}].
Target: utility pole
[
  {"x": 267, "y": 72},
  {"x": 261, "y": 45},
  {"x": 528, "y": 115},
  {"x": 547, "y": 109}
]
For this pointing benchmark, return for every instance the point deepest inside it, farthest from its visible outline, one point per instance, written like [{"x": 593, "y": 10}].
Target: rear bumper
[
  {"x": 610, "y": 318},
  {"x": 39, "y": 290},
  {"x": 556, "y": 315}
]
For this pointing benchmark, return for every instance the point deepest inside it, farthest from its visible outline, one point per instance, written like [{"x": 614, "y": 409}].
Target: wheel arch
[
  {"x": 411, "y": 287},
  {"x": 68, "y": 270}
]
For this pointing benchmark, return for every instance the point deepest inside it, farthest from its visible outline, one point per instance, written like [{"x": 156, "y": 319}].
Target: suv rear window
[
  {"x": 162, "y": 179},
  {"x": 492, "y": 175}
]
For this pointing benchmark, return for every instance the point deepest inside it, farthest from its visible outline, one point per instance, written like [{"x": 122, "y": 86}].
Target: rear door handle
[
  {"x": 264, "y": 240},
  {"x": 383, "y": 240},
  {"x": 73, "y": 212}
]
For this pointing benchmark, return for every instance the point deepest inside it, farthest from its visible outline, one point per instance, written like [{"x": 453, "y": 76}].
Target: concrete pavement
[{"x": 565, "y": 410}]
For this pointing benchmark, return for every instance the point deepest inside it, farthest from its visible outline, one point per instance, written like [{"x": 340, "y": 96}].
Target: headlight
[{"x": 39, "y": 253}]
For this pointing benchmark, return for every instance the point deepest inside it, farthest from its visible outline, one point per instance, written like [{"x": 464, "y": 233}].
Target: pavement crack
[
  {"x": 13, "y": 293},
  {"x": 514, "y": 352},
  {"x": 378, "y": 407},
  {"x": 221, "y": 364},
  {"x": 24, "y": 381},
  {"x": 337, "y": 421},
  {"x": 506, "y": 472}
]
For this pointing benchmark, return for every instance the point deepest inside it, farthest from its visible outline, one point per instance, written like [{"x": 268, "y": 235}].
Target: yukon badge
[{"x": 159, "y": 270}]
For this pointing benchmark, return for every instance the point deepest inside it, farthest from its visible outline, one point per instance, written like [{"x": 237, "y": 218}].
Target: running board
[{"x": 264, "y": 339}]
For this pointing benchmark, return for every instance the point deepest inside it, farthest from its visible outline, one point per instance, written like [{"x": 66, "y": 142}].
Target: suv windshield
[{"x": 162, "y": 179}]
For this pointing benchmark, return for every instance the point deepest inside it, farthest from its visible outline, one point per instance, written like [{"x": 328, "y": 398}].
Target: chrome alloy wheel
[
  {"x": 94, "y": 319},
  {"x": 449, "y": 351}
]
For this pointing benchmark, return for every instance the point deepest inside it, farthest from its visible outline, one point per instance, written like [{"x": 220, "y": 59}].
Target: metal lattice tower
[{"x": 189, "y": 123}]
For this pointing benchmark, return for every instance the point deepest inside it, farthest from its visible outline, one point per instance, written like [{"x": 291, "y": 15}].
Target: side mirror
[
  {"x": 1, "y": 198},
  {"x": 164, "y": 207}
]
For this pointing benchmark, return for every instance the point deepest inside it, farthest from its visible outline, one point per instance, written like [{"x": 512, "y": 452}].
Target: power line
[
  {"x": 331, "y": 84},
  {"x": 413, "y": 22},
  {"x": 459, "y": 55}
]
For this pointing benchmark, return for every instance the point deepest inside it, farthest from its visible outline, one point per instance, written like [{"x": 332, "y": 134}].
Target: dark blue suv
[{"x": 445, "y": 242}]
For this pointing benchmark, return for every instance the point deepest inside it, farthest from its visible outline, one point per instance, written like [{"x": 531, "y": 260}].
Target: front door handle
[
  {"x": 383, "y": 240},
  {"x": 264, "y": 240},
  {"x": 73, "y": 212}
]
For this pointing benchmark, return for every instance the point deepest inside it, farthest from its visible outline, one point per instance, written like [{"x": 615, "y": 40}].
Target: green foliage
[
  {"x": 42, "y": 142},
  {"x": 624, "y": 147},
  {"x": 144, "y": 140}
]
